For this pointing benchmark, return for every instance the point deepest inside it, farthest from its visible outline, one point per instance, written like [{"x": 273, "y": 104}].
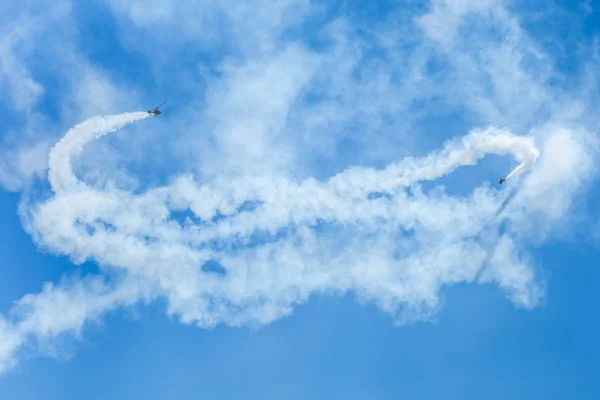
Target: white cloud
[
  {"x": 15, "y": 78},
  {"x": 10, "y": 342},
  {"x": 246, "y": 29},
  {"x": 248, "y": 108},
  {"x": 497, "y": 70},
  {"x": 546, "y": 199},
  {"x": 513, "y": 273},
  {"x": 445, "y": 16},
  {"x": 61, "y": 309},
  {"x": 566, "y": 164},
  {"x": 19, "y": 166}
]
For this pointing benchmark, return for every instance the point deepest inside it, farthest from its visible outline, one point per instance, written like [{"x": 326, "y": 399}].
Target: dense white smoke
[{"x": 274, "y": 241}]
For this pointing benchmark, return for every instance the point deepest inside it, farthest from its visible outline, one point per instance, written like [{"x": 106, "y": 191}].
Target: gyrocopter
[{"x": 156, "y": 110}]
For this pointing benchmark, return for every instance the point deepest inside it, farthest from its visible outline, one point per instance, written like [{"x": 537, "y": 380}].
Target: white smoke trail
[
  {"x": 525, "y": 153},
  {"x": 467, "y": 151},
  {"x": 354, "y": 182},
  {"x": 122, "y": 219},
  {"x": 61, "y": 176},
  {"x": 281, "y": 201},
  {"x": 272, "y": 254}
]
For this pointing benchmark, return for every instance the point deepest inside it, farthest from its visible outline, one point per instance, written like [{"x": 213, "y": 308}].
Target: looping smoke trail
[
  {"x": 136, "y": 233},
  {"x": 281, "y": 202},
  {"x": 354, "y": 182},
  {"x": 123, "y": 219},
  {"x": 293, "y": 240},
  {"x": 61, "y": 176}
]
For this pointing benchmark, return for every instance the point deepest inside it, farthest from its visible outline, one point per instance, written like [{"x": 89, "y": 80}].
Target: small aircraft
[
  {"x": 502, "y": 180},
  {"x": 156, "y": 111}
]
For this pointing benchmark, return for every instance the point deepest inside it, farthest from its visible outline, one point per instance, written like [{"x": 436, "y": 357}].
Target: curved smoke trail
[
  {"x": 341, "y": 199},
  {"x": 296, "y": 239},
  {"x": 61, "y": 176},
  {"x": 466, "y": 152}
]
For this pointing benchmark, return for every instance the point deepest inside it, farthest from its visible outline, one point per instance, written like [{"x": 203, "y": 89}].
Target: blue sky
[{"x": 337, "y": 162}]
